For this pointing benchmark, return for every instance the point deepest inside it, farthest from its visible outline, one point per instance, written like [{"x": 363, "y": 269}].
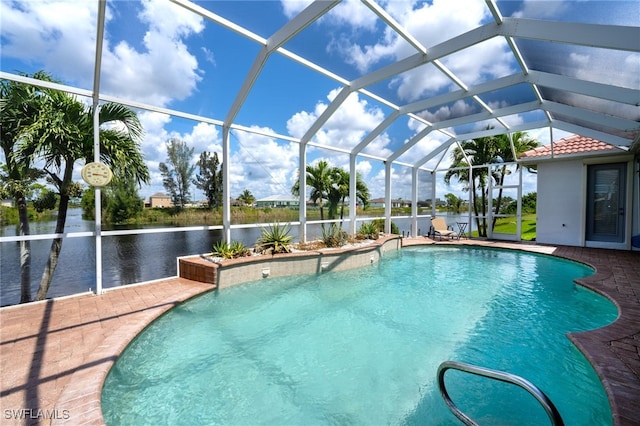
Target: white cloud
[
  {"x": 353, "y": 120},
  {"x": 536, "y": 9},
  {"x": 59, "y": 36},
  {"x": 446, "y": 112},
  {"x": 291, "y": 8},
  {"x": 262, "y": 165},
  {"x": 165, "y": 70},
  {"x": 54, "y": 35},
  {"x": 353, "y": 13},
  {"x": 431, "y": 24}
]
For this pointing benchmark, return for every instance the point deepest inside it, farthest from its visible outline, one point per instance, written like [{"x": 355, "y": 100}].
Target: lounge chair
[{"x": 440, "y": 228}]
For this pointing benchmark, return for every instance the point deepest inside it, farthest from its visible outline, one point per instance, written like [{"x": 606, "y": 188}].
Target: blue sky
[{"x": 160, "y": 54}]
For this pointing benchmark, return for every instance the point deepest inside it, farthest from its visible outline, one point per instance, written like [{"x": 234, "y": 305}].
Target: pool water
[{"x": 363, "y": 346}]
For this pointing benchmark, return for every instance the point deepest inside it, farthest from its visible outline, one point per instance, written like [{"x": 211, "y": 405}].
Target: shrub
[
  {"x": 275, "y": 239},
  {"x": 368, "y": 231},
  {"x": 230, "y": 251},
  {"x": 334, "y": 236},
  {"x": 379, "y": 223}
]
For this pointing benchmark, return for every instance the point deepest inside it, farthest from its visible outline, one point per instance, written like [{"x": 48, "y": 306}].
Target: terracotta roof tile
[{"x": 575, "y": 144}]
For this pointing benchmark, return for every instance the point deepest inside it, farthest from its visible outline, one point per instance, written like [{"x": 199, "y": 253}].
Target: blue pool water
[{"x": 362, "y": 347}]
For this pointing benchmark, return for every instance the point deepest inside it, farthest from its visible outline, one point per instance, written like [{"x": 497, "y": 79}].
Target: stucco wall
[{"x": 561, "y": 203}]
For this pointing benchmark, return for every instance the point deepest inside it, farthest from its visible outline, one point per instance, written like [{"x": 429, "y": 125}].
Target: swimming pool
[{"x": 363, "y": 346}]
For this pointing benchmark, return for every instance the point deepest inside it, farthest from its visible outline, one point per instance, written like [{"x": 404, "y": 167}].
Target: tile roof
[{"x": 575, "y": 144}]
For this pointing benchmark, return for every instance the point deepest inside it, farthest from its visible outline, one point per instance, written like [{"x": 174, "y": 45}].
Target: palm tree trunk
[
  {"x": 484, "y": 211},
  {"x": 54, "y": 252},
  {"x": 25, "y": 250},
  {"x": 56, "y": 244},
  {"x": 475, "y": 207},
  {"x": 503, "y": 172}
]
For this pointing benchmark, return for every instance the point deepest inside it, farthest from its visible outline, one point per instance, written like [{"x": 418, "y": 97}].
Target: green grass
[{"x": 508, "y": 226}]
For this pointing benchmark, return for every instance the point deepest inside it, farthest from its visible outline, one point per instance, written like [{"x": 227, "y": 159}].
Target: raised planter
[{"x": 237, "y": 271}]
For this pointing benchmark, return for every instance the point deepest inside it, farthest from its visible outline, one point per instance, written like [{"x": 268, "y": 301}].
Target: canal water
[{"x": 127, "y": 259}]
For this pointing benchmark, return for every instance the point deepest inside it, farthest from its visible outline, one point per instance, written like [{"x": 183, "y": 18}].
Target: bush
[
  {"x": 230, "y": 251},
  {"x": 334, "y": 236},
  {"x": 368, "y": 231},
  {"x": 275, "y": 239},
  {"x": 379, "y": 223}
]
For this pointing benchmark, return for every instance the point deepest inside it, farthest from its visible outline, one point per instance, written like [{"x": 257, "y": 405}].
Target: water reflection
[{"x": 126, "y": 259}]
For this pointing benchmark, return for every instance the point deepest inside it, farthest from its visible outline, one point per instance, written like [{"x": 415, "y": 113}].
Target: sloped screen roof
[{"x": 406, "y": 78}]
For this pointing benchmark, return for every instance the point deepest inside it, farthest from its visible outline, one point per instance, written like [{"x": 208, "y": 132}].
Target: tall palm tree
[
  {"x": 19, "y": 104},
  {"x": 63, "y": 134},
  {"x": 318, "y": 178},
  {"x": 486, "y": 151},
  {"x": 479, "y": 152},
  {"x": 339, "y": 191},
  {"x": 521, "y": 143}
]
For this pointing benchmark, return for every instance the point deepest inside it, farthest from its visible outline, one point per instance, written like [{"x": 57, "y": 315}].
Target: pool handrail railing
[{"x": 543, "y": 399}]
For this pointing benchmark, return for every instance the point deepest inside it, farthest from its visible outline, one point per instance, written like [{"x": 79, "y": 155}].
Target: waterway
[{"x": 127, "y": 259}]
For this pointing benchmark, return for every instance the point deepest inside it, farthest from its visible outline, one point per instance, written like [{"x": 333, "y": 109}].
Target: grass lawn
[{"x": 508, "y": 226}]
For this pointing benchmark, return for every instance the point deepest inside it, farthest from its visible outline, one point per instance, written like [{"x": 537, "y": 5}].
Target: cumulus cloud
[
  {"x": 353, "y": 120},
  {"x": 60, "y": 37},
  {"x": 54, "y": 35},
  {"x": 164, "y": 70},
  {"x": 535, "y": 9},
  {"x": 262, "y": 164}
]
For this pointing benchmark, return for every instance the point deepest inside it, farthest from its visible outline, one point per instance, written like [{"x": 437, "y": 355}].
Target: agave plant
[
  {"x": 229, "y": 251},
  {"x": 275, "y": 239},
  {"x": 334, "y": 236},
  {"x": 368, "y": 231},
  {"x": 379, "y": 223}
]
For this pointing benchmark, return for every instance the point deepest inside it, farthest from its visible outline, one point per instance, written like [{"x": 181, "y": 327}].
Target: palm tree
[
  {"x": 319, "y": 180},
  {"x": 19, "y": 104},
  {"x": 486, "y": 151},
  {"x": 479, "y": 152},
  {"x": 63, "y": 134},
  {"x": 246, "y": 198},
  {"x": 339, "y": 191},
  {"x": 521, "y": 143}
]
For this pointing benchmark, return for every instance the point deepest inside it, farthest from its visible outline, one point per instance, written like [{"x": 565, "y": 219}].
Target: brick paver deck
[{"x": 55, "y": 355}]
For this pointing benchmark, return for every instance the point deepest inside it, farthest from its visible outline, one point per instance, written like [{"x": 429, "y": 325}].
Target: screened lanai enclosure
[{"x": 390, "y": 91}]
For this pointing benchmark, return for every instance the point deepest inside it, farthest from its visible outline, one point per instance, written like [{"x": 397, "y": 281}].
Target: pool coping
[{"x": 56, "y": 354}]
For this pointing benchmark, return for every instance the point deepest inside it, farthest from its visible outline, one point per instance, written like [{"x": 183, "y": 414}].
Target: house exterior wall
[
  {"x": 561, "y": 203},
  {"x": 156, "y": 201},
  {"x": 277, "y": 203}
]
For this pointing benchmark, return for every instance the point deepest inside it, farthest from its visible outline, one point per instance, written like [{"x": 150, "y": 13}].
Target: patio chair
[{"x": 441, "y": 229}]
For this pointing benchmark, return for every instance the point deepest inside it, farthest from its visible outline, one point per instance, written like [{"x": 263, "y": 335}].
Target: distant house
[
  {"x": 276, "y": 201},
  {"x": 380, "y": 203},
  {"x": 6, "y": 202},
  {"x": 160, "y": 200}
]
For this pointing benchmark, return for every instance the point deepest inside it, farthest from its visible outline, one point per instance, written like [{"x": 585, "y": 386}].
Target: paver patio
[{"x": 55, "y": 355}]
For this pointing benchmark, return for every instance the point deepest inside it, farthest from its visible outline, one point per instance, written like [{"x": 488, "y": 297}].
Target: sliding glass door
[{"x": 606, "y": 189}]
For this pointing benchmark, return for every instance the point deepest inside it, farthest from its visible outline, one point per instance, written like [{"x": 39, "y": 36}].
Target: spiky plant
[
  {"x": 368, "y": 231},
  {"x": 334, "y": 236},
  {"x": 230, "y": 251},
  {"x": 275, "y": 239}
]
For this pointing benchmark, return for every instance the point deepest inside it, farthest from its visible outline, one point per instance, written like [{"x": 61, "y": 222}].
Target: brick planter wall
[{"x": 236, "y": 271}]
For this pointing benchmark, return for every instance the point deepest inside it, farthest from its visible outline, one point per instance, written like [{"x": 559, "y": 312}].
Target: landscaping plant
[{"x": 275, "y": 239}]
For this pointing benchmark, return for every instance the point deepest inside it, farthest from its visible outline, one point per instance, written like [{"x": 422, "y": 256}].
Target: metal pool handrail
[{"x": 502, "y": 376}]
